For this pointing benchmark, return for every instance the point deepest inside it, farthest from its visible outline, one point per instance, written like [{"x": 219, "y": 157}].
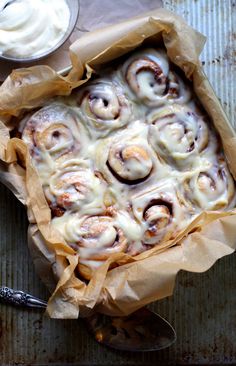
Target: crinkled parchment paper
[{"x": 149, "y": 276}]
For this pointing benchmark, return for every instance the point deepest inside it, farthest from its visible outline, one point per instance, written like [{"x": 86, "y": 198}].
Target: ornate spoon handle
[{"x": 20, "y": 298}]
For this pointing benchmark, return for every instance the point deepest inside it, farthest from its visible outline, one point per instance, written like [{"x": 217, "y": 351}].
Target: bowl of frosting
[{"x": 31, "y": 30}]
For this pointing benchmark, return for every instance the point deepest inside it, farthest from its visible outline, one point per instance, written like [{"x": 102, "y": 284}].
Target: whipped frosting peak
[{"x": 30, "y": 28}]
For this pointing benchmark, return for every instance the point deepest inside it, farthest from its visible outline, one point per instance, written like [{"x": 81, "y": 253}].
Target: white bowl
[{"x": 74, "y": 6}]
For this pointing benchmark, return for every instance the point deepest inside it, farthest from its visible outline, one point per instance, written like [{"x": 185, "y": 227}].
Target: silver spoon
[{"x": 143, "y": 330}]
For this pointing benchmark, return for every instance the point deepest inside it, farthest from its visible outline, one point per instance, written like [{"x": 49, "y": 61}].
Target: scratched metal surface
[{"x": 203, "y": 308}]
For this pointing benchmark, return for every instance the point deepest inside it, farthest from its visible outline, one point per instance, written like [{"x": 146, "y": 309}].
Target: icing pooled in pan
[{"x": 128, "y": 160}]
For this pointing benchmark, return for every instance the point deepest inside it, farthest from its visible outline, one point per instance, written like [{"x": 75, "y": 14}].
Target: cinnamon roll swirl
[
  {"x": 104, "y": 107},
  {"x": 74, "y": 186},
  {"x": 130, "y": 163},
  {"x": 178, "y": 134},
  {"x": 148, "y": 76},
  {"x": 161, "y": 212},
  {"x": 96, "y": 238},
  {"x": 211, "y": 187},
  {"x": 52, "y": 132}
]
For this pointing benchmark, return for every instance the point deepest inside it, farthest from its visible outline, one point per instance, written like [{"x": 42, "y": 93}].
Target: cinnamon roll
[
  {"x": 161, "y": 212},
  {"x": 74, "y": 186},
  {"x": 178, "y": 134},
  {"x": 211, "y": 187},
  {"x": 130, "y": 163},
  {"x": 96, "y": 238},
  {"x": 104, "y": 107},
  {"x": 52, "y": 132},
  {"x": 150, "y": 79}
]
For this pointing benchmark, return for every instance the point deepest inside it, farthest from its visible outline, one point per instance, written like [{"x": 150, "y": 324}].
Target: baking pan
[{"x": 203, "y": 307}]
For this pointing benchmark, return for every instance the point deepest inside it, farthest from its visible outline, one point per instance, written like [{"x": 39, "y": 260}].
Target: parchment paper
[{"x": 149, "y": 276}]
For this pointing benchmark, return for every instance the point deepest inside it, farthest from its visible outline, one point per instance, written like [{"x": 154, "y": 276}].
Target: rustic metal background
[{"x": 203, "y": 308}]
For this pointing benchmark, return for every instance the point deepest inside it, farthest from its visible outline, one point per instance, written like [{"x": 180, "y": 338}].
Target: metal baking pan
[{"x": 203, "y": 307}]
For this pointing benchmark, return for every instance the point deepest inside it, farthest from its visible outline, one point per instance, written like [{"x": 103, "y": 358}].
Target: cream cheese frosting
[{"x": 30, "y": 28}]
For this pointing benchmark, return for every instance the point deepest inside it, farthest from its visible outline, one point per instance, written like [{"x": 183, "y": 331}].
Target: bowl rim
[{"x": 52, "y": 50}]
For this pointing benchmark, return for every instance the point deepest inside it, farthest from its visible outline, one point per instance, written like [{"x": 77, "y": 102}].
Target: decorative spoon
[{"x": 143, "y": 330}]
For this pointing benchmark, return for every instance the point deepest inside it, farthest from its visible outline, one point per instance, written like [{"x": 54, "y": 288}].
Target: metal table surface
[{"x": 203, "y": 307}]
